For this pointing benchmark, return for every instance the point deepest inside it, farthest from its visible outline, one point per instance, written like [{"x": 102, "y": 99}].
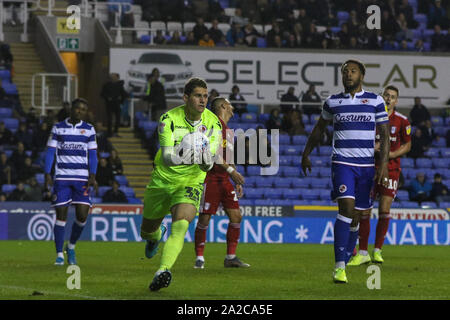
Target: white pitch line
[{"x": 51, "y": 292}]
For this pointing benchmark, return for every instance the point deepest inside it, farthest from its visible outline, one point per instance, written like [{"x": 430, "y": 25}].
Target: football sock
[
  {"x": 152, "y": 236},
  {"x": 60, "y": 254},
  {"x": 200, "y": 258},
  {"x": 382, "y": 228},
  {"x": 230, "y": 256},
  {"x": 174, "y": 244},
  {"x": 363, "y": 252},
  {"x": 352, "y": 238},
  {"x": 364, "y": 231},
  {"x": 200, "y": 238},
  {"x": 77, "y": 229},
  {"x": 341, "y": 237},
  {"x": 233, "y": 233},
  {"x": 58, "y": 231}
]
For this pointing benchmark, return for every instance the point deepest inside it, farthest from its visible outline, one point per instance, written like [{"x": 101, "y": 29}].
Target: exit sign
[{"x": 68, "y": 43}]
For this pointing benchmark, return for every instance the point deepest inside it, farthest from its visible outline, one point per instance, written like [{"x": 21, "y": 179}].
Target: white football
[{"x": 197, "y": 142}]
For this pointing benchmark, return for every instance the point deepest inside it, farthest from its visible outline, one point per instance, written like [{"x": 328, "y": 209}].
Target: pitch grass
[{"x": 278, "y": 271}]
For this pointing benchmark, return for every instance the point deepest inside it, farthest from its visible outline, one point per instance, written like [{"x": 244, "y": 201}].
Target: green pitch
[{"x": 278, "y": 271}]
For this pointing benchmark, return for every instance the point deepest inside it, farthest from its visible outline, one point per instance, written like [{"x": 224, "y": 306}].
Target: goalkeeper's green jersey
[{"x": 172, "y": 127}]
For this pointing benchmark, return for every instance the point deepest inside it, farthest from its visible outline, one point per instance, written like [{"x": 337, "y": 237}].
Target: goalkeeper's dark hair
[
  {"x": 78, "y": 101},
  {"x": 216, "y": 102},
  {"x": 393, "y": 88},
  {"x": 361, "y": 66},
  {"x": 193, "y": 83}
]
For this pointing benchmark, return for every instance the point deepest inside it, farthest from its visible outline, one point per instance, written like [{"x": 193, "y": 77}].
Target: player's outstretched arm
[
  {"x": 313, "y": 141},
  {"x": 382, "y": 175}
]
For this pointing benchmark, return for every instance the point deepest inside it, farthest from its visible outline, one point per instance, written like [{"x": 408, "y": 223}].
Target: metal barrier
[{"x": 62, "y": 86}]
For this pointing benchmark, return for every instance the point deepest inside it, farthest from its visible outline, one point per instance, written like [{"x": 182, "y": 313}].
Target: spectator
[
  {"x": 437, "y": 15},
  {"x": 115, "y": 163},
  {"x": 420, "y": 189},
  {"x": 249, "y": 8},
  {"x": 439, "y": 191},
  {"x": 275, "y": 120},
  {"x": 235, "y": 95},
  {"x": 376, "y": 40},
  {"x": 32, "y": 119},
  {"x": 186, "y": 8},
  {"x": 216, "y": 12},
  {"x": 263, "y": 13},
  {"x": 238, "y": 18},
  {"x": 389, "y": 24},
  {"x": 114, "y": 195},
  {"x": 418, "y": 46},
  {"x": 277, "y": 42},
  {"x": 150, "y": 11},
  {"x": 6, "y": 58},
  {"x": 234, "y": 34},
  {"x": 353, "y": 45},
  {"x": 404, "y": 46},
  {"x": 6, "y": 136},
  {"x": 49, "y": 118},
  {"x": 292, "y": 123},
  {"x": 353, "y": 21},
  {"x": 40, "y": 138},
  {"x": 175, "y": 39},
  {"x": 419, "y": 113},
  {"x": 27, "y": 171},
  {"x": 199, "y": 29},
  {"x": 313, "y": 39},
  {"x": 304, "y": 19},
  {"x": 405, "y": 8},
  {"x": 114, "y": 95},
  {"x": 104, "y": 174},
  {"x": 34, "y": 192},
  {"x": 222, "y": 42},
  {"x": 427, "y": 132},
  {"x": 404, "y": 32},
  {"x": 212, "y": 95},
  {"x": 2, "y": 197},
  {"x": 418, "y": 145},
  {"x": 190, "y": 39},
  {"x": 311, "y": 96},
  {"x": 18, "y": 157},
  {"x": 206, "y": 41},
  {"x": 292, "y": 42},
  {"x": 64, "y": 113},
  {"x": 289, "y": 96},
  {"x": 23, "y": 135},
  {"x": 103, "y": 144},
  {"x": 250, "y": 35},
  {"x": 438, "y": 40},
  {"x": 2, "y": 92},
  {"x": 159, "y": 38},
  {"x": 7, "y": 172},
  {"x": 155, "y": 95},
  {"x": 18, "y": 194},
  {"x": 344, "y": 35},
  {"x": 200, "y": 8},
  {"x": 214, "y": 32},
  {"x": 447, "y": 138},
  {"x": 272, "y": 33}
]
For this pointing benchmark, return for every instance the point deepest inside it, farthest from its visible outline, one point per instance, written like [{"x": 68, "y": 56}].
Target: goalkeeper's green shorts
[{"x": 160, "y": 198}]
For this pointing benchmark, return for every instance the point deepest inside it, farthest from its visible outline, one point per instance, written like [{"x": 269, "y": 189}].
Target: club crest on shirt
[
  {"x": 364, "y": 101},
  {"x": 393, "y": 129},
  {"x": 161, "y": 127},
  {"x": 82, "y": 131},
  {"x": 207, "y": 205},
  {"x": 342, "y": 188},
  {"x": 408, "y": 130},
  {"x": 224, "y": 143},
  {"x": 202, "y": 128}
]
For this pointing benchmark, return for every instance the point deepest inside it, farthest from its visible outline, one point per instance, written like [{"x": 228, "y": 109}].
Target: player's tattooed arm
[
  {"x": 382, "y": 175},
  {"x": 313, "y": 141}
]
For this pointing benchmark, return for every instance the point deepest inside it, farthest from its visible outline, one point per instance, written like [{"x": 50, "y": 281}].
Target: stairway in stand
[{"x": 137, "y": 166}]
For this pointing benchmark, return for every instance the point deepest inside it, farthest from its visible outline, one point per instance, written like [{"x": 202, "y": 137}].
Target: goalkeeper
[{"x": 177, "y": 180}]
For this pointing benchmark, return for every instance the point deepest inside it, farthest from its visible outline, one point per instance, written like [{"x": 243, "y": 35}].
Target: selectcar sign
[{"x": 264, "y": 76}]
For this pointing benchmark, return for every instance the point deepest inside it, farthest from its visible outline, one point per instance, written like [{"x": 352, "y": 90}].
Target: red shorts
[
  {"x": 216, "y": 193},
  {"x": 391, "y": 190}
]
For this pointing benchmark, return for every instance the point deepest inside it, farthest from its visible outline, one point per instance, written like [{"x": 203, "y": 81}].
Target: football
[{"x": 196, "y": 141}]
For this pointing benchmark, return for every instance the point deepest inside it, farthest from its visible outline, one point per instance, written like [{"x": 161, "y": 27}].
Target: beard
[{"x": 353, "y": 86}]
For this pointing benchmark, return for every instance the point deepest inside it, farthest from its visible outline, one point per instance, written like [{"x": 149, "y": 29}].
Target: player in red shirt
[
  {"x": 400, "y": 145},
  {"x": 219, "y": 190}
]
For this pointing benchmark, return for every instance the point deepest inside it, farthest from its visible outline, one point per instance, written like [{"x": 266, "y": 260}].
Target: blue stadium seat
[
  {"x": 445, "y": 152},
  {"x": 96, "y": 200},
  {"x": 439, "y": 143},
  {"x": 325, "y": 150},
  {"x": 273, "y": 193},
  {"x": 5, "y": 112},
  {"x": 324, "y": 195},
  {"x": 437, "y": 120},
  {"x": 250, "y": 181},
  {"x": 134, "y": 201},
  {"x": 314, "y": 118},
  {"x": 249, "y": 117},
  {"x": 343, "y": 15},
  {"x": 253, "y": 170},
  {"x": 335, "y": 29},
  {"x": 253, "y": 108},
  {"x": 138, "y": 115},
  {"x": 444, "y": 205},
  {"x": 246, "y": 202},
  {"x": 8, "y": 152},
  {"x": 402, "y": 195},
  {"x": 10, "y": 88},
  {"x": 280, "y": 182},
  {"x": 320, "y": 183},
  {"x": 423, "y": 163},
  {"x": 145, "y": 39},
  {"x": 11, "y": 123},
  {"x": 420, "y": 17},
  {"x": 290, "y": 171},
  {"x": 446, "y": 181},
  {"x": 263, "y": 117},
  {"x": 447, "y": 121},
  {"x": 253, "y": 193},
  {"x": 396, "y": 204},
  {"x": 440, "y": 130},
  {"x": 417, "y": 34},
  {"x": 8, "y": 188},
  {"x": 304, "y": 182},
  {"x": 264, "y": 202},
  {"x": 285, "y": 160},
  {"x": 429, "y": 204},
  {"x": 410, "y": 205},
  {"x": 102, "y": 190},
  {"x": 264, "y": 181},
  {"x": 320, "y": 161},
  {"x": 5, "y": 75},
  {"x": 407, "y": 163},
  {"x": 291, "y": 149},
  {"x": 299, "y": 140},
  {"x": 309, "y": 128},
  {"x": 324, "y": 172},
  {"x": 441, "y": 162},
  {"x": 292, "y": 193},
  {"x": 284, "y": 139},
  {"x": 129, "y": 192},
  {"x": 310, "y": 194},
  {"x": 305, "y": 118},
  {"x": 40, "y": 178},
  {"x": 104, "y": 154},
  {"x": 261, "y": 42},
  {"x": 282, "y": 202},
  {"x": 122, "y": 180},
  {"x": 148, "y": 125},
  {"x": 235, "y": 118}
]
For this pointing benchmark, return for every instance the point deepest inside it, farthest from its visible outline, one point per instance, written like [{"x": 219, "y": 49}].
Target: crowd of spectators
[{"x": 294, "y": 23}]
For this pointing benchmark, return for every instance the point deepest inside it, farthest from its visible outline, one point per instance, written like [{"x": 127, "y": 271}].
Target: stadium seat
[
  {"x": 129, "y": 191},
  {"x": 102, "y": 190},
  {"x": 96, "y": 200},
  {"x": 292, "y": 193},
  {"x": 280, "y": 182},
  {"x": 263, "y": 117},
  {"x": 5, "y": 75},
  {"x": 407, "y": 163},
  {"x": 427, "y": 46},
  {"x": 285, "y": 160},
  {"x": 304, "y": 182},
  {"x": 423, "y": 163},
  {"x": 290, "y": 171},
  {"x": 253, "y": 170},
  {"x": 335, "y": 29},
  {"x": 188, "y": 27},
  {"x": 282, "y": 202},
  {"x": 253, "y": 193},
  {"x": 310, "y": 194},
  {"x": 445, "y": 152},
  {"x": 429, "y": 204},
  {"x": 325, "y": 150},
  {"x": 40, "y": 178},
  {"x": 441, "y": 163},
  {"x": 320, "y": 183},
  {"x": 284, "y": 139},
  {"x": 396, "y": 204},
  {"x": 299, "y": 140},
  {"x": 174, "y": 26},
  {"x": 11, "y": 123},
  {"x": 5, "y": 113},
  {"x": 273, "y": 193},
  {"x": 439, "y": 142},
  {"x": 122, "y": 180},
  {"x": 158, "y": 25},
  {"x": 246, "y": 202},
  {"x": 447, "y": 121},
  {"x": 402, "y": 195},
  {"x": 440, "y": 130},
  {"x": 264, "y": 202},
  {"x": 240, "y": 169},
  {"x": 148, "y": 125},
  {"x": 318, "y": 161},
  {"x": 224, "y": 27},
  {"x": 8, "y": 188},
  {"x": 253, "y": 108},
  {"x": 10, "y": 88},
  {"x": 104, "y": 154},
  {"x": 291, "y": 149},
  {"x": 261, "y": 42},
  {"x": 437, "y": 120},
  {"x": 420, "y": 18},
  {"x": 264, "y": 181},
  {"x": 410, "y": 205},
  {"x": 324, "y": 172},
  {"x": 343, "y": 15},
  {"x": 132, "y": 200},
  {"x": 249, "y": 117},
  {"x": 325, "y": 195},
  {"x": 309, "y": 127},
  {"x": 444, "y": 205}
]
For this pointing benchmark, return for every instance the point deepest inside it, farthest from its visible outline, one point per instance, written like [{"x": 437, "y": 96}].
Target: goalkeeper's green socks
[
  {"x": 153, "y": 236},
  {"x": 174, "y": 244}
]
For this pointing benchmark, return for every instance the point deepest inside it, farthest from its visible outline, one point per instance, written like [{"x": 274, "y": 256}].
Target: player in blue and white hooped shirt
[
  {"x": 73, "y": 141},
  {"x": 355, "y": 114}
]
